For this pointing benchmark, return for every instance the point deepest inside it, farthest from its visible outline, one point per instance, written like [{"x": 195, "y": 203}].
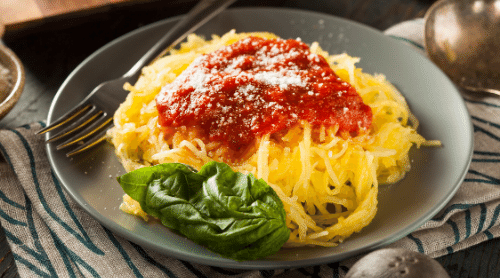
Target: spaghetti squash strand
[{"x": 328, "y": 182}]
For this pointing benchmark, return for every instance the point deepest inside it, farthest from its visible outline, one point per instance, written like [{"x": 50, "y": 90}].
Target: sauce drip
[{"x": 260, "y": 86}]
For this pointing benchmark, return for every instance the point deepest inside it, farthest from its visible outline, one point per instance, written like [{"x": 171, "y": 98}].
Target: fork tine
[
  {"x": 101, "y": 136},
  {"x": 82, "y": 122},
  {"x": 68, "y": 117},
  {"x": 89, "y": 131}
]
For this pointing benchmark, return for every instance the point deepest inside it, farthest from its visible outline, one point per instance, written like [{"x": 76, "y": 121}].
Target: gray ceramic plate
[{"x": 435, "y": 177}]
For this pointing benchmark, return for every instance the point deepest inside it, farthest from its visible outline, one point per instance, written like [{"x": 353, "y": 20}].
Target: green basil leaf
[{"x": 233, "y": 214}]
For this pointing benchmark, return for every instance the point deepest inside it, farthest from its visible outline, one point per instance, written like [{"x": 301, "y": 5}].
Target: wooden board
[{"x": 20, "y": 14}]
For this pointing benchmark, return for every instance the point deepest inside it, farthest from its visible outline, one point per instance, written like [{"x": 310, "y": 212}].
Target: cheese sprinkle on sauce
[{"x": 260, "y": 86}]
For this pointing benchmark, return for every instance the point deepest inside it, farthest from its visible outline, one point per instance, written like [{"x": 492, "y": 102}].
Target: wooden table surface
[
  {"x": 52, "y": 49},
  {"x": 22, "y": 14}
]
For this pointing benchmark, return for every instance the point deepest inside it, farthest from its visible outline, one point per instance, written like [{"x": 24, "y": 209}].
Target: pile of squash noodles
[{"x": 328, "y": 183}]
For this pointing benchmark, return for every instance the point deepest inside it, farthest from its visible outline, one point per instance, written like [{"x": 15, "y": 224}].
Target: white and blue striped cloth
[{"x": 50, "y": 236}]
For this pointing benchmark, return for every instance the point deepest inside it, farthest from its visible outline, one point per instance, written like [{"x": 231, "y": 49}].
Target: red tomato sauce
[{"x": 260, "y": 86}]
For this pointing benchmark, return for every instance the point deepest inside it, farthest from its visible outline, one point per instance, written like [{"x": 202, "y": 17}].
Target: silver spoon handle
[
  {"x": 481, "y": 90},
  {"x": 196, "y": 17}
]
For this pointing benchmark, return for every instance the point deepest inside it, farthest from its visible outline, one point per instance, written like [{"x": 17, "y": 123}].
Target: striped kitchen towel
[{"x": 50, "y": 236}]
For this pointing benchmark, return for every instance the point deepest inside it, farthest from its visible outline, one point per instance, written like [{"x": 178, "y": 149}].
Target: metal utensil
[
  {"x": 463, "y": 38},
  {"x": 93, "y": 115}
]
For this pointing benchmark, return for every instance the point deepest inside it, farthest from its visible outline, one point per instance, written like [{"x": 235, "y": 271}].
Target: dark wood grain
[
  {"x": 53, "y": 50},
  {"x": 7, "y": 265}
]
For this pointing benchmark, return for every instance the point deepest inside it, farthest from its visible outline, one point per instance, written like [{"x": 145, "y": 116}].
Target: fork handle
[{"x": 196, "y": 17}]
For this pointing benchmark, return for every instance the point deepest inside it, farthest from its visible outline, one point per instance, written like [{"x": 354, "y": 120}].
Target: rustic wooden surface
[
  {"x": 20, "y": 14},
  {"x": 53, "y": 49}
]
